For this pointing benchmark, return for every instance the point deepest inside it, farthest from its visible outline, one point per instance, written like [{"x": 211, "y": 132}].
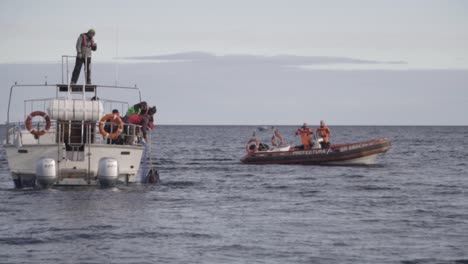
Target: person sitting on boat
[
  {"x": 112, "y": 127},
  {"x": 85, "y": 45},
  {"x": 324, "y": 132},
  {"x": 305, "y": 133}
]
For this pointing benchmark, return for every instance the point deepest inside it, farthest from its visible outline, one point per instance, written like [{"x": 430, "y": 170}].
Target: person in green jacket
[{"x": 141, "y": 108}]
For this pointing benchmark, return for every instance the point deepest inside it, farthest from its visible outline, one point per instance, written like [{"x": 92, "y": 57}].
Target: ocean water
[{"x": 210, "y": 208}]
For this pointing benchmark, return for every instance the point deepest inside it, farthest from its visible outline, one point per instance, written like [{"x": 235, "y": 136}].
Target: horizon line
[{"x": 339, "y": 125}]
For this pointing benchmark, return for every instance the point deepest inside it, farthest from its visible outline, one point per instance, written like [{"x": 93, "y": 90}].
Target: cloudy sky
[{"x": 351, "y": 62}]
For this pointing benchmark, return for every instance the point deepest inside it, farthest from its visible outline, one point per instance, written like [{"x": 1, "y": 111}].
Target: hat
[{"x": 91, "y": 30}]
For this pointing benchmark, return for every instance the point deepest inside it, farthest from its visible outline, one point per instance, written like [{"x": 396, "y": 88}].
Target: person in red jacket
[
  {"x": 84, "y": 47},
  {"x": 324, "y": 132},
  {"x": 305, "y": 133},
  {"x": 146, "y": 121}
]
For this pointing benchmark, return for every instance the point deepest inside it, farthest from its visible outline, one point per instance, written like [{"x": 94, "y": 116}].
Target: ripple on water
[{"x": 210, "y": 208}]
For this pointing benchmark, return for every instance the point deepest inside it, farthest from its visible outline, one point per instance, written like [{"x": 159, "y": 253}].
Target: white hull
[
  {"x": 75, "y": 138},
  {"x": 367, "y": 160},
  {"x": 80, "y": 171}
]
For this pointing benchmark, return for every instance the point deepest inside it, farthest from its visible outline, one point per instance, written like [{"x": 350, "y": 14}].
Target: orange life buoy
[
  {"x": 249, "y": 144},
  {"x": 277, "y": 140},
  {"x": 28, "y": 122},
  {"x": 114, "y": 119}
]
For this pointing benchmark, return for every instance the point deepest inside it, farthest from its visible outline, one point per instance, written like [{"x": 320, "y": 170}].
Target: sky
[{"x": 319, "y": 49}]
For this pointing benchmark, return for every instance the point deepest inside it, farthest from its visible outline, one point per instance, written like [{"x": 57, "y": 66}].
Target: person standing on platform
[{"x": 85, "y": 45}]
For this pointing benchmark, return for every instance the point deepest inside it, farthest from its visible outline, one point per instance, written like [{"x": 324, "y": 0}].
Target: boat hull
[
  {"x": 81, "y": 171},
  {"x": 363, "y": 153}
]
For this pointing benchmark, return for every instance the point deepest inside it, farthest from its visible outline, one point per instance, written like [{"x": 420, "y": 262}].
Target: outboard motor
[
  {"x": 46, "y": 173},
  {"x": 108, "y": 172}
]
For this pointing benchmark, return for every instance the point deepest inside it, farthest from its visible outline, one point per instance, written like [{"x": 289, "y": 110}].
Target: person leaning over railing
[
  {"x": 139, "y": 109},
  {"x": 145, "y": 121}
]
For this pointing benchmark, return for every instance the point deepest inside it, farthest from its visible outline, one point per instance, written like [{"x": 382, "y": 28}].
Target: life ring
[
  {"x": 249, "y": 144},
  {"x": 277, "y": 140},
  {"x": 28, "y": 123},
  {"x": 114, "y": 119}
]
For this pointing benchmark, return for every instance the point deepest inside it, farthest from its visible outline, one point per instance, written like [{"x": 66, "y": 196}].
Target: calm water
[{"x": 413, "y": 208}]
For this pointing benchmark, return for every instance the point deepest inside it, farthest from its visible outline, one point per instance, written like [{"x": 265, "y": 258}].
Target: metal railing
[
  {"x": 33, "y": 101},
  {"x": 43, "y": 104},
  {"x": 73, "y": 134}
]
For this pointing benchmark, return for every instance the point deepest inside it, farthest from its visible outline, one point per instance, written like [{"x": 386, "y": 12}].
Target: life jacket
[
  {"x": 305, "y": 135},
  {"x": 134, "y": 119},
  {"x": 324, "y": 132},
  {"x": 85, "y": 42}
]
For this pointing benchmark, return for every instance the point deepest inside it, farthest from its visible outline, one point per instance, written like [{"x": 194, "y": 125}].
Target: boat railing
[
  {"x": 73, "y": 133},
  {"x": 44, "y": 103}
]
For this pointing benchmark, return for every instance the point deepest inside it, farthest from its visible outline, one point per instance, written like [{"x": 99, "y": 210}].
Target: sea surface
[{"x": 210, "y": 208}]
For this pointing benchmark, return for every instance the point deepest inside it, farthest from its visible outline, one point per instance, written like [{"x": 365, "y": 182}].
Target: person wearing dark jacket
[
  {"x": 111, "y": 127},
  {"x": 85, "y": 45},
  {"x": 148, "y": 122}
]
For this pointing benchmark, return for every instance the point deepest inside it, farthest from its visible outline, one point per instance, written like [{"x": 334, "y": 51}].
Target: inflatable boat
[{"x": 362, "y": 153}]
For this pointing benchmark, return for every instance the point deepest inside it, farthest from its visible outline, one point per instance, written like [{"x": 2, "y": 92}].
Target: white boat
[{"x": 72, "y": 143}]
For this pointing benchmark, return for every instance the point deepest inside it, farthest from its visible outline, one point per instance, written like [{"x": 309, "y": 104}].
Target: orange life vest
[
  {"x": 324, "y": 132},
  {"x": 305, "y": 135}
]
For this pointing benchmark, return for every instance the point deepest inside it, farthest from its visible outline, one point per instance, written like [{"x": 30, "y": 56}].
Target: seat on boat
[
  {"x": 279, "y": 149},
  {"x": 263, "y": 147}
]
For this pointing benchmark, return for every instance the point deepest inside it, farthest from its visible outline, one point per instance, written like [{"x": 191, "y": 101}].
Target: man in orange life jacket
[
  {"x": 305, "y": 134},
  {"x": 324, "y": 132},
  {"x": 85, "y": 45}
]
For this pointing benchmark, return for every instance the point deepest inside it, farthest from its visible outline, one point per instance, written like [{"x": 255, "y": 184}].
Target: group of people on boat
[
  {"x": 310, "y": 139},
  {"x": 306, "y": 134},
  {"x": 140, "y": 115}
]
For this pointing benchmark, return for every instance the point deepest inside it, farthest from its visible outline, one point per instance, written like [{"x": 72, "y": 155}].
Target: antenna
[{"x": 116, "y": 54}]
